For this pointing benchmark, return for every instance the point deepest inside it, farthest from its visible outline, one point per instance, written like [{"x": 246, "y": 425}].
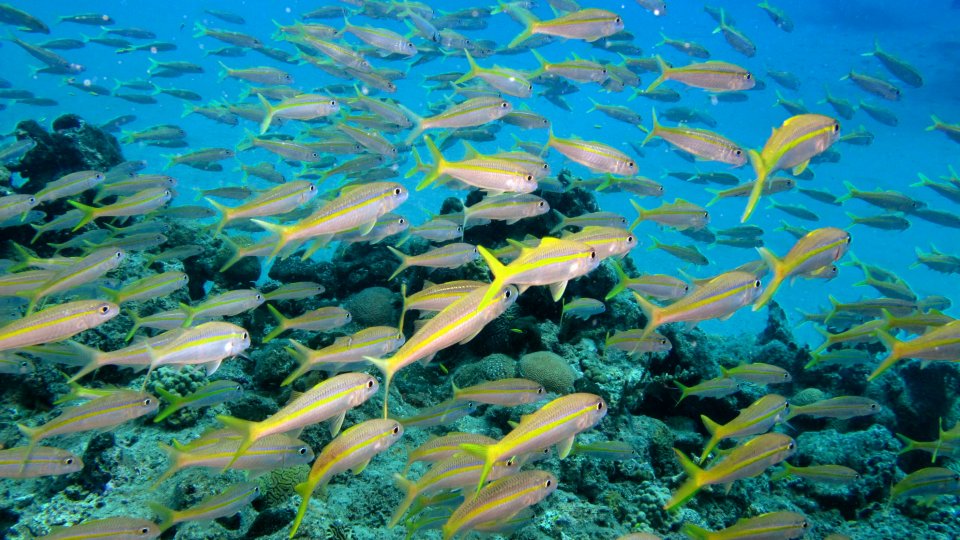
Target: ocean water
[{"x": 828, "y": 42}]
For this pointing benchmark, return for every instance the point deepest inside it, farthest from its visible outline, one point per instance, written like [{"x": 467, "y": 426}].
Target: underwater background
[{"x": 895, "y": 285}]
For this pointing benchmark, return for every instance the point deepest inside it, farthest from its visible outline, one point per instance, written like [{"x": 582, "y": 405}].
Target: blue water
[{"x": 826, "y": 44}]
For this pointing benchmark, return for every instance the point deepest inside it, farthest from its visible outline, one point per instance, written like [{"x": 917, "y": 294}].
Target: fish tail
[
  {"x": 305, "y": 490},
  {"x": 528, "y": 31},
  {"x": 652, "y": 312},
  {"x": 695, "y": 532},
  {"x": 225, "y": 215},
  {"x": 474, "y": 69},
  {"x": 621, "y": 284},
  {"x": 300, "y": 354},
  {"x": 235, "y": 258},
  {"x": 690, "y": 487},
  {"x": 485, "y": 452},
  {"x": 716, "y": 196},
  {"x": 174, "y": 456},
  {"x": 190, "y": 312},
  {"x": 780, "y": 474},
  {"x": 89, "y": 214},
  {"x": 711, "y": 428},
  {"x": 936, "y": 123},
  {"x": 175, "y": 404},
  {"x": 245, "y": 428},
  {"x": 664, "y": 70},
  {"x": 911, "y": 444},
  {"x": 777, "y": 269},
  {"x": 166, "y": 515},
  {"x": 924, "y": 181},
  {"x": 281, "y": 326},
  {"x": 224, "y": 73},
  {"x": 278, "y": 230},
  {"x": 93, "y": 360},
  {"x": 137, "y": 323},
  {"x": 404, "y": 263},
  {"x": 653, "y": 132},
  {"x": 384, "y": 367},
  {"x": 268, "y": 114},
  {"x": 199, "y": 30},
  {"x": 403, "y": 306},
  {"x": 684, "y": 391},
  {"x": 891, "y": 343},
  {"x": 641, "y": 214},
  {"x": 498, "y": 269},
  {"x": 410, "y": 493},
  {"x": 433, "y": 171},
  {"x": 760, "y": 168}
]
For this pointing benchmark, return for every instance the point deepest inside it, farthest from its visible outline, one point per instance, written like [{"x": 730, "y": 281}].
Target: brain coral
[
  {"x": 548, "y": 369},
  {"x": 374, "y": 306}
]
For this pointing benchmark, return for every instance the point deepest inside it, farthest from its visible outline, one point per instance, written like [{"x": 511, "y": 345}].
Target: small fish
[
  {"x": 659, "y": 286},
  {"x": 506, "y": 392},
  {"x": 216, "y": 452},
  {"x": 441, "y": 414},
  {"x": 501, "y": 499},
  {"x": 828, "y": 474},
  {"x": 758, "y": 373},
  {"x": 874, "y": 85},
  {"x": 759, "y": 417},
  {"x": 553, "y": 262},
  {"x": 582, "y": 308},
  {"x": 688, "y": 253},
  {"x": 353, "y": 449},
  {"x": 227, "y": 503},
  {"x": 634, "y": 343},
  {"x": 155, "y": 286},
  {"x": 819, "y": 248},
  {"x": 713, "y": 388},
  {"x": 713, "y": 76},
  {"x": 300, "y": 290},
  {"x": 594, "y": 155},
  {"x": 679, "y": 214},
  {"x": 210, "y": 394},
  {"x": 114, "y": 528},
  {"x": 843, "y": 407},
  {"x": 746, "y": 460},
  {"x": 702, "y": 143},
  {"x": 588, "y": 24},
  {"x": 223, "y": 305},
  {"x": 897, "y": 67},
  {"x": 929, "y": 482},
  {"x": 278, "y": 200},
  {"x": 448, "y": 256},
  {"x": 556, "y": 423},
  {"x": 778, "y": 16},
  {"x": 770, "y": 526},
  {"x": 317, "y": 320},
  {"x": 56, "y": 323},
  {"x": 137, "y": 204},
  {"x": 740, "y": 42},
  {"x": 37, "y": 461}
]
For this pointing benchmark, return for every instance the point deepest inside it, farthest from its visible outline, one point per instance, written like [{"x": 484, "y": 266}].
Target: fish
[
  {"x": 56, "y": 323},
  {"x": 353, "y": 449},
  {"x": 441, "y": 414},
  {"x": 771, "y": 526},
  {"x": 928, "y": 482},
  {"x": 509, "y": 81},
  {"x": 507, "y": 392},
  {"x": 223, "y": 304},
  {"x": 119, "y": 528},
  {"x": 817, "y": 249},
  {"x": 459, "y": 322},
  {"x": 594, "y": 155},
  {"x": 702, "y": 143},
  {"x": 448, "y": 256},
  {"x": 155, "y": 286},
  {"x": 582, "y": 308},
  {"x": 759, "y": 417},
  {"x": 874, "y": 85},
  {"x": 829, "y": 474},
  {"x": 713, "y": 388},
  {"x": 757, "y": 373},
  {"x": 137, "y": 204},
  {"x": 470, "y": 113},
  {"x": 740, "y": 42},
  {"x": 791, "y": 146},
  {"x": 37, "y": 461},
  {"x": 501, "y": 500},
  {"x": 633, "y": 342},
  {"x": 209, "y": 394},
  {"x": 317, "y": 320},
  {"x": 552, "y": 262},
  {"x": 688, "y": 253},
  {"x": 588, "y": 24},
  {"x": 843, "y": 407},
  {"x": 556, "y": 423},
  {"x": 299, "y": 290},
  {"x": 23, "y": 20},
  {"x": 329, "y": 399},
  {"x": 487, "y": 173},
  {"x": 230, "y": 501},
  {"x": 659, "y": 286},
  {"x": 713, "y": 76},
  {"x": 720, "y": 297},
  {"x": 373, "y": 341},
  {"x": 746, "y": 460},
  {"x": 679, "y": 214}
]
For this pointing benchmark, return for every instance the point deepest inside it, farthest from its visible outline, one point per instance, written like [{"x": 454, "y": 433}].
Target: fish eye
[
  {"x": 259, "y": 297},
  {"x": 144, "y": 530},
  {"x": 147, "y": 402},
  {"x": 836, "y": 127},
  {"x": 401, "y": 221},
  {"x": 32, "y": 200},
  {"x": 314, "y": 155},
  {"x": 370, "y": 383},
  {"x": 507, "y": 294},
  {"x": 166, "y": 192},
  {"x": 593, "y": 255},
  {"x": 631, "y": 164},
  {"x": 312, "y": 188},
  {"x": 805, "y": 524},
  {"x": 599, "y": 405},
  {"x": 618, "y": 20},
  {"x": 68, "y": 461},
  {"x": 739, "y": 152},
  {"x": 786, "y": 375},
  {"x": 548, "y": 483},
  {"x": 756, "y": 284},
  {"x": 104, "y": 309},
  {"x": 397, "y": 191},
  {"x": 540, "y": 204},
  {"x": 706, "y": 214},
  {"x": 748, "y": 76},
  {"x": 24, "y": 364},
  {"x": 529, "y": 178},
  {"x": 302, "y": 451},
  {"x": 396, "y": 429},
  {"x": 873, "y": 406},
  {"x": 791, "y": 446},
  {"x": 504, "y": 104},
  {"x": 540, "y": 390},
  {"x": 630, "y": 239},
  {"x": 244, "y": 336},
  {"x": 663, "y": 341}
]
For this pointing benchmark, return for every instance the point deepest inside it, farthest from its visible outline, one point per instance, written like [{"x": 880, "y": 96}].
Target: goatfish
[
  {"x": 843, "y": 407},
  {"x": 207, "y": 344},
  {"x": 719, "y": 298},
  {"x": 588, "y": 24},
  {"x": 104, "y": 412},
  {"x": 449, "y": 256},
  {"x": 56, "y": 323},
  {"x": 771, "y": 187},
  {"x": 155, "y": 286},
  {"x": 713, "y": 388},
  {"x": 435, "y": 297},
  {"x": 556, "y": 423},
  {"x": 817, "y": 249},
  {"x": 329, "y": 399},
  {"x": 455, "y": 471},
  {"x": 757, "y": 373},
  {"x": 582, "y": 308},
  {"x": 507, "y": 392},
  {"x": 207, "y": 395},
  {"x": 69, "y": 185},
  {"x": 791, "y": 146},
  {"x": 679, "y": 214},
  {"x": 441, "y": 414},
  {"x": 356, "y": 206},
  {"x": 459, "y": 322},
  {"x": 222, "y": 305},
  {"x": 300, "y": 107},
  {"x": 500, "y": 500},
  {"x": 712, "y": 76},
  {"x": 374, "y": 341},
  {"x": 508, "y": 81},
  {"x": 317, "y": 320},
  {"x": 702, "y": 143},
  {"x": 113, "y": 528},
  {"x": 140, "y": 203},
  {"x": 278, "y": 200},
  {"x": 605, "y": 240},
  {"x": 660, "y": 286},
  {"x": 440, "y": 448},
  {"x": 227, "y": 503},
  {"x": 939, "y": 343},
  {"x": 37, "y": 461},
  {"x": 746, "y": 460},
  {"x": 828, "y": 474},
  {"x": 298, "y": 290},
  {"x": 552, "y": 262},
  {"x": 216, "y": 452},
  {"x": 929, "y": 482},
  {"x": 473, "y": 112},
  {"x": 596, "y": 156},
  {"x": 494, "y": 175},
  {"x": 759, "y": 417},
  {"x": 635, "y": 343},
  {"x": 84, "y": 270},
  {"x": 353, "y": 449},
  {"x": 770, "y": 526}
]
